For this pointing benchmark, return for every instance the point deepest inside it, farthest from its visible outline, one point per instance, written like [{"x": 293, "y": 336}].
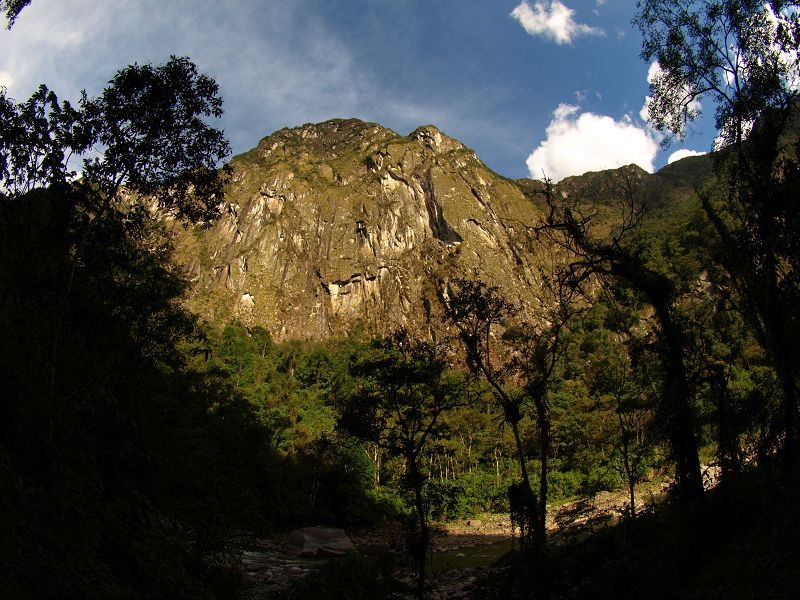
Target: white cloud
[
  {"x": 552, "y": 22},
  {"x": 599, "y": 4},
  {"x": 682, "y": 153},
  {"x": 644, "y": 112},
  {"x": 652, "y": 72},
  {"x": 580, "y": 142},
  {"x": 6, "y": 80}
]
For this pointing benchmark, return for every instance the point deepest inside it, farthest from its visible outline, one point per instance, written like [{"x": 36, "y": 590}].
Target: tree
[
  {"x": 615, "y": 386},
  {"x": 477, "y": 310},
  {"x": 537, "y": 351},
  {"x": 743, "y": 56},
  {"x": 524, "y": 357},
  {"x": 114, "y": 454},
  {"x": 625, "y": 256},
  {"x": 146, "y": 136},
  {"x": 157, "y": 151},
  {"x": 404, "y": 389},
  {"x": 12, "y": 9}
]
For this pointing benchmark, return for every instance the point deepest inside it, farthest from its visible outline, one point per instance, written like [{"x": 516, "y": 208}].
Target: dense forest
[{"x": 141, "y": 447}]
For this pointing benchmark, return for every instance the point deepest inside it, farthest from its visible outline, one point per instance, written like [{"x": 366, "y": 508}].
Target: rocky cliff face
[{"x": 347, "y": 223}]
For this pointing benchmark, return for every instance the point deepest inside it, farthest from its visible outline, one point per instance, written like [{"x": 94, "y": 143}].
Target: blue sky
[{"x": 557, "y": 87}]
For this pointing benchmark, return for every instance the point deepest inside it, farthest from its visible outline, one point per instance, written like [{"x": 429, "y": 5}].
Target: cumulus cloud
[
  {"x": 683, "y": 153},
  {"x": 552, "y": 21},
  {"x": 579, "y": 142},
  {"x": 6, "y": 80}
]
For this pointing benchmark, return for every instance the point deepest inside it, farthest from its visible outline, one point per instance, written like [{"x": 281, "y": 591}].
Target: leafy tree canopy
[
  {"x": 12, "y": 8},
  {"x": 741, "y": 54},
  {"x": 146, "y": 133}
]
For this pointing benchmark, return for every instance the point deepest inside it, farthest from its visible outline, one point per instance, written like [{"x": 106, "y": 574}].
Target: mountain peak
[
  {"x": 345, "y": 222},
  {"x": 326, "y": 137},
  {"x": 432, "y": 137}
]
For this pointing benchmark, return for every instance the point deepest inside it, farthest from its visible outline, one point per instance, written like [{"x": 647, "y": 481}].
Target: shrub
[
  {"x": 564, "y": 484},
  {"x": 446, "y": 499}
]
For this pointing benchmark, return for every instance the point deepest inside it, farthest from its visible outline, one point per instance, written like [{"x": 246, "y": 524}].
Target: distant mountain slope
[{"x": 672, "y": 183}]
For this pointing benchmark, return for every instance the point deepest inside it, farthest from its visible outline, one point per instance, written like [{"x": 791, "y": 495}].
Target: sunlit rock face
[{"x": 347, "y": 224}]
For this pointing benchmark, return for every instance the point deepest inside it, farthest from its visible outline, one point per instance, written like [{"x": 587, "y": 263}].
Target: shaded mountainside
[
  {"x": 675, "y": 184},
  {"x": 346, "y": 223}
]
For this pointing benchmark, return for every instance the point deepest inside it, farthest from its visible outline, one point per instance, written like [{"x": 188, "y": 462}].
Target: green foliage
[
  {"x": 446, "y": 499},
  {"x": 483, "y": 493},
  {"x": 387, "y": 504},
  {"x": 342, "y": 479},
  {"x": 12, "y": 9},
  {"x": 293, "y": 387},
  {"x": 565, "y": 485}
]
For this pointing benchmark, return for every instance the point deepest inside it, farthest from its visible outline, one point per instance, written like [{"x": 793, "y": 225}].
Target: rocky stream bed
[{"x": 462, "y": 551}]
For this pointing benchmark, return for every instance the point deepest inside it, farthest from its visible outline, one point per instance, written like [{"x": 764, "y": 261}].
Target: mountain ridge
[{"x": 345, "y": 223}]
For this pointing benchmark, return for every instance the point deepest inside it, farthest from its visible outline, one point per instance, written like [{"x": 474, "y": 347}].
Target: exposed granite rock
[{"x": 347, "y": 223}]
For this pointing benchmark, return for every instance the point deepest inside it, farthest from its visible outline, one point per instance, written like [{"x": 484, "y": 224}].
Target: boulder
[{"x": 319, "y": 541}]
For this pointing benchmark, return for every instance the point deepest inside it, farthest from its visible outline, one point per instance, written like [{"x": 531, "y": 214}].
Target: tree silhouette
[
  {"x": 121, "y": 468},
  {"x": 624, "y": 257},
  {"x": 478, "y": 311},
  {"x": 404, "y": 390},
  {"x": 12, "y": 8},
  {"x": 743, "y": 56}
]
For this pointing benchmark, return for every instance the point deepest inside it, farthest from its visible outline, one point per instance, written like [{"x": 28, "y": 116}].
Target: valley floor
[{"x": 462, "y": 551}]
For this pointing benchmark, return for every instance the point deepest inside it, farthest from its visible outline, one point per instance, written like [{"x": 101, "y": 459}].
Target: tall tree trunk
[
  {"x": 632, "y": 492},
  {"x": 789, "y": 409},
  {"x": 527, "y": 502},
  {"x": 418, "y": 544},
  {"x": 543, "y": 424},
  {"x": 523, "y": 467},
  {"x": 677, "y": 396},
  {"x": 784, "y": 353},
  {"x": 624, "y": 449}
]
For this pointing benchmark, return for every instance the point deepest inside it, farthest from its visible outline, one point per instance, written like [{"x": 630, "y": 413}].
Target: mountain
[{"x": 345, "y": 224}]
